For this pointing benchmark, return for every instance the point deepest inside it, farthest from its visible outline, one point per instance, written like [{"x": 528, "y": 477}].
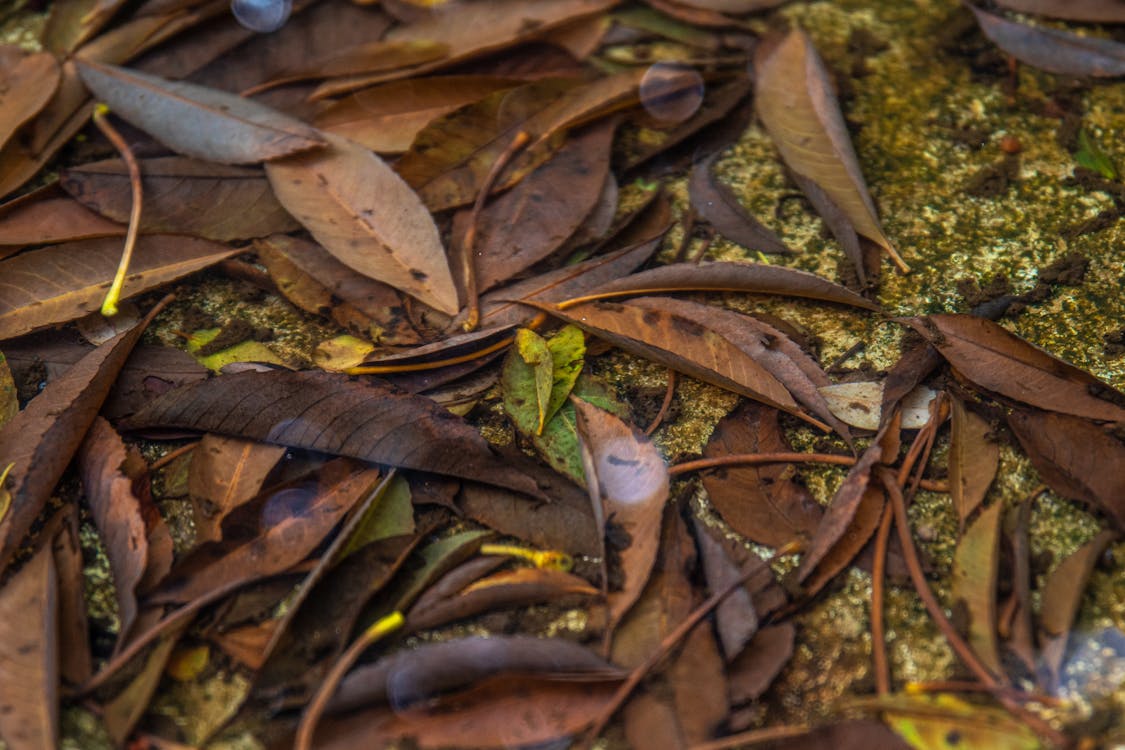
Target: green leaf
[
  {"x": 568, "y": 352},
  {"x": 534, "y": 381},
  {"x": 1091, "y": 156},
  {"x": 245, "y": 351},
  {"x": 559, "y": 442},
  {"x": 390, "y": 515}
]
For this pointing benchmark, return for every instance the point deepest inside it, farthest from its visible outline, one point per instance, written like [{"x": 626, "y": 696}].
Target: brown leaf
[
  {"x": 730, "y": 276},
  {"x": 762, "y": 503},
  {"x": 365, "y": 215},
  {"x": 854, "y": 541},
  {"x": 795, "y": 101},
  {"x": 75, "y": 661},
  {"x": 121, "y": 714},
  {"x": 27, "y": 82},
  {"x": 1054, "y": 50},
  {"x": 976, "y": 562},
  {"x": 719, "y": 206},
  {"x": 652, "y": 723},
  {"x": 1094, "y": 11},
  {"x": 197, "y": 121},
  {"x": 631, "y": 484},
  {"x": 994, "y": 359},
  {"x": 378, "y": 57},
  {"x": 735, "y": 617},
  {"x": 973, "y": 460},
  {"x": 42, "y": 438},
  {"x": 29, "y": 677},
  {"x": 48, "y": 215},
  {"x": 64, "y": 282},
  {"x": 755, "y": 669},
  {"x": 387, "y": 118},
  {"x": 1075, "y": 458},
  {"x": 183, "y": 196},
  {"x": 331, "y": 413},
  {"x": 226, "y": 473}
]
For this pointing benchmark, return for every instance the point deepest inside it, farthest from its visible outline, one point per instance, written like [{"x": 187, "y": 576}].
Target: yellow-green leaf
[
  {"x": 532, "y": 349},
  {"x": 568, "y": 352}
]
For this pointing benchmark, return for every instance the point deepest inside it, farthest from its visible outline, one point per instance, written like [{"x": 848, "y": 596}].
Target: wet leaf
[
  {"x": 196, "y": 121},
  {"x": 632, "y": 487},
  {"x": 762, "y": 503},
  {"x": 27, "y": 83},
  {"x": 994, "y": 359},
  {"x": 183, "y": 196},
  {"x": 1072, "y": 457},
  {"x": 719, "y": 206},
  {"x": 29, "y": 676},
  {"x": 539, "y": 375},
  {"x": 1095, "y": 11},
  {"x": 973, "y": 460},
  {"x": 1054, "y": 50},
  {"x": 976, "y": 562},
  {"x": 795, "y": 101},
  {"x": 225, "y": 473},
  {"x": 48, "y": 215},
  {"x": 331, "y": 413},
  {"x": 735, "y": 617},
  {"x": 387, "y": 118},
  {"x": 64, "y": 282},
  {"x": 365, "y": 215}
]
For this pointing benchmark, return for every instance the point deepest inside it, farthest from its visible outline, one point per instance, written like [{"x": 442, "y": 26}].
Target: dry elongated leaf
[
  {"x": 719, "y": 206},
  {"x": 999, "y": 361},
  {"x": 292, "y": 522},
  {"x": 226, "y": 473},
  {"x": 75, "y": 661},
  {"x": 1076, "y": 459},
  {"x": 27, "y": 82},
  {"x": 410, "y": 677},
  {"x": 755, "y": 669},
  {"x": 632, "y": 486},
  {"x": 197, "y": 121},
  {"x": 29, "y": 670},
  {"x": 973, "y": 460},
  {"x": 762, "y": 503},
  {"x": 64, "y": 282},
  {"x": 387, "y": 118},
  {"x": 1094, "y": 11},
  {"x": 47, "y": 216},
  {"x": 183, "y": 196},
  {"x": 1054, "y": 50},
  {"x": 730, "y": 276},
  {"x": 42, "y": 438},
  {"x": 331, "y": 413},
  {"x": 535, "y": 218},
  {"x": 736, "y": 618},
  {"x": 976, "y": 562},
  {"x": 794, "y": 98},
  {"x": 365, "y": 215},
  {"x": 361, "y": 60}
]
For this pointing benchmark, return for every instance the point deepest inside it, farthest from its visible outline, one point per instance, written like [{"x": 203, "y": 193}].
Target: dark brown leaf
[
  {"x": 735, "y": 617},
  {"x": 976, "y": 562},
  {"x": 1094, "y": 11},
  {"x": 47, "y": 216},
  {"x": 225, "y": 473},
  {"x": 994, "y": 359},
  {"x": 64, "y": 282},
  {"x": 973, "y": 460},
  {"x": 75, "y": 661},
  {"x": 27, "y": 83},
  {"x": 719, "y": 206},
  {"x": 122, "y": 713},
  {"x": 183, "y": 196},
  {"x": 1054, "y": 50},
  {"x": 334, "y": 414},
  {"x": 755, "y": 669},
  {"x": 378, "y": 57}
]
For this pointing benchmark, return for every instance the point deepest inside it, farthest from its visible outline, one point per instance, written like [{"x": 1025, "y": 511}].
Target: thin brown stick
[
  {"x": 879, "y": 664},
  {"x": 468, "y": 254},
  {"x": 171, "y": 456},
  {"x": 753, "y": 459},
  {"x": 669, "y": 393},
  {"x": 113, "y": 296},
  {"x": 754, "y": 737}
]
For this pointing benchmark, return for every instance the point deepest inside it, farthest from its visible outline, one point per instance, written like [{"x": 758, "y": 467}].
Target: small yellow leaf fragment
[
  {"x": 544, "y": 559},
  {"x": 342, "y": 352},
  {"x": 186, "y": 664}
]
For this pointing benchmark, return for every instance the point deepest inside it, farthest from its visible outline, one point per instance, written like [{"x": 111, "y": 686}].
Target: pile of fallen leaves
[{"x": 442, "y": 185}]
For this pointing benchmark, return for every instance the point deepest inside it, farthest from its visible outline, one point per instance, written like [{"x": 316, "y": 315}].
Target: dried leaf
[
  {"x": 27, "y": 83},
  {"x": 225, "y": 473},
  {"x": 719, "y": 206},
  {"x": 122, "y": 713},
  {"x": 1094, "y": 11},
  {"x": 994, "y": 359},
  {"x": 75, "y": 661},
  {"x": 197, "y": 121},
  {"x": 183, "y": 196},
  {"x": 64, "y": 282},
  {"x": 365, "y": 215},
  {"x": 735, "y": 617},
  {"x": 331, "y": 413},
  {"x": 794, "y": 99},
  {"x": 755, "y": 669},
  {"x": 1054, "y": 50},
  {"x": 48, "y": 215},
  {"x": 531, "y": 348},
  {"x": 976, "y": 562},
  {"x": 9, "y": 400},
  {"x": 860, "y": 404},
  {"x": 973, "y": 460},
  {"x": 361, "y": 60}
]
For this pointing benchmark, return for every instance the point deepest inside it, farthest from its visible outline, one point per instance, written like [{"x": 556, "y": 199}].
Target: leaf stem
[{"x": 113, "y": 296}]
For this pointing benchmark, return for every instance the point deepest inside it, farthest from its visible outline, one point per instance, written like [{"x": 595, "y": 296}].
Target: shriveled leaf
[
  {"x": 183, "y": 196},
  {"x": 48, "y": 215},
  {"x": 719, "y": 206},
  {"x": 225, "y": 473},
  {"x": 64, "y": 282},
  {"x": 729, "y": 276},
  {"x": 29, "y": 669},
  {"x": 973, "y": 460},
  {"x": 1054, "y": 50},
  {"x": 27, "y": 83},
  {"x": 197, "y": 121},
  {"x": 994, "y": 359},
  {"x": 794, "y": 99},
  {"x": 1094, "y": 11},
  {"x": 762, "y": 503},
  {"x": 331, "y": 413},
  {"x": 1075, "y": 458},
  {"x": 735, "y": 617},
  {"x": 365, "y": 215},
  {"x": 976, "y": 562},
  {"x": 632, "y": 483}
]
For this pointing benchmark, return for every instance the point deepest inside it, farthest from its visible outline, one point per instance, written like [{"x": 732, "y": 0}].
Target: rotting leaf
[
  {"x": 225, "y": 473},
  {"x": 973, "y": 460},
  {"x": 794, "y": 99},
  {"x": 976, "y": 562},
  {"x": 364, "y": 214},
  {"x": 64, "y": 282},
  {"x": 330, "y": 413},
  {"x": 717, "y": 203}
]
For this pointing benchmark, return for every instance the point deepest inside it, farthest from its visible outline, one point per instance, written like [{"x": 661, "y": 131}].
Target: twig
[
  {"x": 113, "y": 296},
  {"x": 171, "y": 456},
  {"x": 753, "y": 459},
  {"x": 754, "y": 737},
  {"x": 669, "y": 393},
  {"x": 879, "y": 663}
]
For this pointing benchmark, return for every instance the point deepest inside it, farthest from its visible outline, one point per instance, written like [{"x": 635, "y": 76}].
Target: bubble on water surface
[
  {"x": 262, "y": 16},
  {"x": 670, "y": 92}
]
